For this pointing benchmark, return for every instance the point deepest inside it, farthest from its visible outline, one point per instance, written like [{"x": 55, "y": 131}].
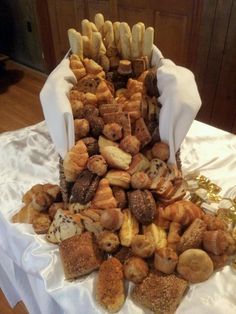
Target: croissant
[
  {"x": 104, "y": 197},
  {"x": 77, "y": 68},
  {"x": 156, "y": 234},
  {"x": 92, "y": 67},
  {"x": 183, "y": 212},
  {"x": 216, "y": 241},
  {"x": 75, "y": 161},
  {"x": 103, "y": 93},
  {"x": 134, "y": 86}
]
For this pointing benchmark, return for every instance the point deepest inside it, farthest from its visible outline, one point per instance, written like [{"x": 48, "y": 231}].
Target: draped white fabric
[{"x": 30, "y": 267}]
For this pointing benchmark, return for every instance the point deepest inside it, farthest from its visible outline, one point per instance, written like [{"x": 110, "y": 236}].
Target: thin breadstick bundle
[
  {"x": 96, "y": 41},
  {"x": 108, "y": 34},
  {"x": 136, "y": 41},
  {"x": 148, "y": 42},
  {"x": 76, "y": 42},
  {"x": 99, "y": 21},
  {"x": 125, "y": 40},
  {"x": 86, "y": 28},
  {"x": 86, "y": 47}
]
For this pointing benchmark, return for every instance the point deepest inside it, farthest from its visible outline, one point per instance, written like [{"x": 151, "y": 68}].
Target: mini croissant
[
  {"x": 75, "y": 161},
  {"x": 77, "y": 68},
  {"x": 104, "y": 94},
  {"x": 104, "y": 197},
  {"x": 183, "y": 212}
]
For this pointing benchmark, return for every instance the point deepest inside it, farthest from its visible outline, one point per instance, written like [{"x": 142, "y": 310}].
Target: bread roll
[
  {"x": 86, "y": 46},
  {"x": 96, "y": 41},
  {"x": 125, "y": 40},
  {"x": 99, "y": 21},
  {"x": 86, "y": 28},
  {"x": 148, "y": 42},
  {"x": 136, "y": 41},
  {"x": 108, "y": 34},
  {"x": 76, "y": 42},
  {"x": 116, "y": 26}
]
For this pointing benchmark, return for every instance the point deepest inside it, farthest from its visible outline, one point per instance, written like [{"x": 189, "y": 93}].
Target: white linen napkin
[{"x": 178, "y": 95}]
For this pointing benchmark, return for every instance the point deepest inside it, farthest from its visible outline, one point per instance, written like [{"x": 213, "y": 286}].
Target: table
[{"x": 30, "y": 267}]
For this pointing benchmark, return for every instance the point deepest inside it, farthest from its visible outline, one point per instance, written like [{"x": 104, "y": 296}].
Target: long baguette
[
  {"x": 86, "y": 47},
  {"x": 125, "y": 40},
  {"x": 148, "y": 42},
  {"x": 99, "y": 21},
  {"x": 108, "y": 34},
  {"x": 86, "y": 28},
  {"x": 76, "y": 42},
  {"x": 136, "y": 41},
  {"x": 116, "y": 26},
  {"x": 96, "y": 41}
]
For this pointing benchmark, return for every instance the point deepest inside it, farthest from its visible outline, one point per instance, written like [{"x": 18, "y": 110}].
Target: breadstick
[
  {"x": 142, "y": 36},
  {"x": 136, "y": 41},
  {"x": 76, "y": 42},
  {"x": 125, "y": 40},
  {"x": 95, "y": 45},
  {"x": 108, "y": 34},
  {"x": 86, "y": 46},
  {"x": 148, "y": 42},
  {"x": 99, "y": 21},
  {"x": 116, "y": 31},
  {"x": 93, "y": 27},
  {"x": 86, "y": 28}
]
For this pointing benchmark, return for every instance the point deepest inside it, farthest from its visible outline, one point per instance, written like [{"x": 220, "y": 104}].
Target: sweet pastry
[
  {"x": 142, "y": 205},
  {"x": 216, "y": 241},
  {"x": 156, "y": 234},
  {"x": 104, "y": 94},
  {"x": 111, "y": 219},
  {"x": 91, "y": 220},
  {"x": 161, "y": 150},
  {"x": 165, "y": 260},
  {"x": 123, "y": 254},
  {"x": 118, "y": 178},
  {"x": 81, "y": 127},
  {"x": 135, "y": 269},
  {"x": 142, "y": 246},
  {"x": 173, "y": 237},
  {"x": 109, "y": 290},
  {"x": 138, "y": 66},
  {"x": 103, "y": 142},
  {"x": 97, "y": 164},
  {"x": 141, "y": 132},
  {"x": 140, "y": 180},
  {"x": 139, "y": 163},
  {"x": 113, "y": 131},
  {"x": 91, "y": 66},
  {"x": 77, "y": 68},
  {"x": 183, "y": 212},
  {"x": 96, "y": 126},
  {"x": 159, "y": 220},
  {"x": 88, "y": 84},
  {"x": 125, "y": 67},
  {"x": 129, "y": 228},
  {"x": 79, "y": 255},
  {"x": 52, "y": 190},
  {"x": 158, "y": 169},
  {"x": 89, "y": 99},
  {"x": 41, "y": 201},
  {"x": 134, "y": 86},
  {"x": 176, "y": 193},
  {"x": 122, "y": 118},
  {"x": 213, "y": 222},
  {"x": 120, "y": 197},
  {"x": 108, "y": 108},
  {"x": 108, "y": 241},
  {"x": 77, "y": 107},
  {"x": 130, "y": 144},
  {"x": 104, "y": 197},
  {"x": 160, "y": 294},
  {"x": 92, "y": 145},
  {"x": 85, "y": 187},
  {"x": 192, "y": 236},
  {"x": 54, "y": 207},
  {"x": 41, "y": 223},
  {"x": 62, "y": 227},
  {"x": 104, "y": 62},
  {"x": 90, "y": 111},
  {"x": 75, "y": 161},
  {"x": 116, "y": 157},
  {"x": 195, "y": 265},
  {"x": 75, "y": 208}
]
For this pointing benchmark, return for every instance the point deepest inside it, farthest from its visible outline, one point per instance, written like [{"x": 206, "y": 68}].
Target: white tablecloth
[{"x": 30, "y": 268}]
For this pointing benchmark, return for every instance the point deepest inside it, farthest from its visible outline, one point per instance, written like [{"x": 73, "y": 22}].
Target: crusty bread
[
  {"x": 110, "y": 285},
  {"x": 160, "y": 294},
  {"x": 79, "y": 255}
]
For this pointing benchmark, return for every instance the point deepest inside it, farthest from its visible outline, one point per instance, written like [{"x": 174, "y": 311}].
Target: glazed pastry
[
  {"x": 195, "y": 265},
  {"x": 62, "y": 227},
  {"x": 130, "y": 144},
  {"x": 192, "y": 237},
  {"x": 79, "y": 255},
  {"x": 41, "y": 201},
  {"x": 75, "y": 161},
  {"x": 116, "y": 158},
  {"x": 142, "y": 205},
  {"x": 141, "y": 132},
  {"x": 111, "y": 219},
  {"x": 108, "y": 241},
  {"x": 104, "y": 197},
  {"x": 92, "y": 145},
  {"x": 97, "y": 164},
  {"x": 183, "y": 212},
  {"x": 142, "y": 246},
  {"x": 85, "y": 187},
  {"x": 140, "y": 180},
  {"x": 216, "y": 241},
  {"x": 120, "y": 197},
  {"x": 139, "y": 163},
  {"x": 103, "y": 142},
  {"x": 103, "y": 93},
  {"x": 156, "y": 234},
  {"x": 118, "y": 178},
  {"x": 113, "y": 131},
  {"x": 135, "y": 269},
  {"x": 109, "y": 290},
  {"x": 96, "y": 126},
  {"x": 81, "y": 127},
  {"x": 129, "y": 228},
  {"x": 165, "y": 260},
  {"x": 173, "y": 237},
  {"x": 41, "y": 224},
  {"x": 160, "y": 294},
  {"x": 125, "y": 67}
]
